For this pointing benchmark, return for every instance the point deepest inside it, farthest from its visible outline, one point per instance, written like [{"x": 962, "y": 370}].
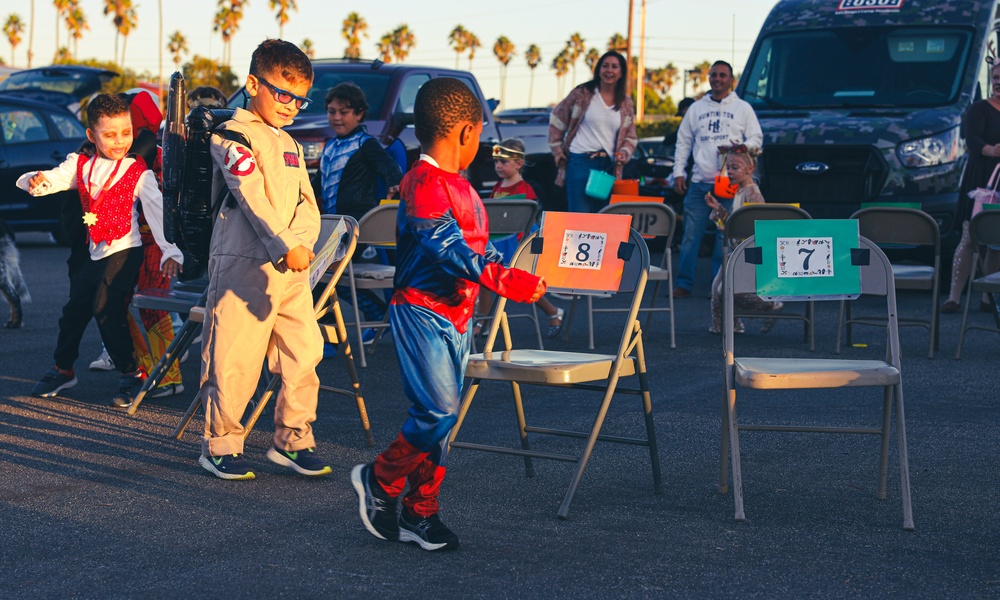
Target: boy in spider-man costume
[{"x": 443, "y": 256}]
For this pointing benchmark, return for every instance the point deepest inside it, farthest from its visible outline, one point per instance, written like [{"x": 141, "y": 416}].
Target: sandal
[{"x": 554, "y": 330}]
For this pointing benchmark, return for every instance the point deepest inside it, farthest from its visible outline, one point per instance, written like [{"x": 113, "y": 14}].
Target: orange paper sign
[{"x": 580, "y": 251}]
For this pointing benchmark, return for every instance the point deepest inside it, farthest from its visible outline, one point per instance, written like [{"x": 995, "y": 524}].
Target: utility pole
[
  {"x": 640, "y": 76},
  {"x": 628, "y": 41}
]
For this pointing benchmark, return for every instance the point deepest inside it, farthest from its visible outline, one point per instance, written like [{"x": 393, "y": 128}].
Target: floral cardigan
[{"x": 565, "y": 121}]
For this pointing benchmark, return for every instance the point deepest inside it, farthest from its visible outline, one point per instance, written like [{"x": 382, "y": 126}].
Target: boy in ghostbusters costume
[{"x": 259, "y": 300}]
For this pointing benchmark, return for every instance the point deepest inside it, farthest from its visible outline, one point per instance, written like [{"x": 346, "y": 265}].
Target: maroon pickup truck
[{"x": 390, "y": 90}]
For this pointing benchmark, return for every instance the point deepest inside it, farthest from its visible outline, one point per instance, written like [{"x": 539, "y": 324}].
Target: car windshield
[
  {"x": 76, "y": 83},
  {"x": 655, "y": 149},
  {"x": 374, "y": 86},
  {"x": 858, "y": 67}
]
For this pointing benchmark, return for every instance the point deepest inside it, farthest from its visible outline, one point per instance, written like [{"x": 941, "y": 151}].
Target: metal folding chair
[
  {"x": 378, "y": 227},
  {"x": 984, "y": 230},
  {"x": 908, "y": 227},
  {"x": 333, "y": 254},
  {"x": 594, "y": 372},
  {"x": 771, "y": 373}
]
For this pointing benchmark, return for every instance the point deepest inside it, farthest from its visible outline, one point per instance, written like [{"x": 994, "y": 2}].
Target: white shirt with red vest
[{"x": 95, "y": 175}]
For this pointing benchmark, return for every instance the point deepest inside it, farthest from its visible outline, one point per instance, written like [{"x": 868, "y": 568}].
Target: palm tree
[
  {"x": 458, "y": 39},
  {"x": 591, "y": 58},
  {"x": 76, "y": 24},
  {"x": 13, "y": 29},
  {"x": 355, "y": 27},
  {"x": 668, "y": 75},
  {"x": 532, "y": 56},
  {"x": 575, "y": 45},
  {"x": 220, "y": 24},
  {"x": 62, "y": 10},
  {"x": 116, "y": 8},
  {"x": 384, "y": 47},
  {"x": 283, "y": 7},
  {"x": 472, "y": 43},
  {"x": 178, "y": 45},
  {"x": 227, "y": 23},
  {"x": 561, "y": 65},
  {"x": 130, "y": 20},
  {"x": 503, "y": 48},
  {"x": 308, "y": 48},
  {"x": 618, "y": 43},
  {"x": 403, "y": 41},
  {"x": 699, "y": 75}
]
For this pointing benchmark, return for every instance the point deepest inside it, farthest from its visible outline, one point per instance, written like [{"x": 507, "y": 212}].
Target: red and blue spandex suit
[{"x": 443, "y": 256}]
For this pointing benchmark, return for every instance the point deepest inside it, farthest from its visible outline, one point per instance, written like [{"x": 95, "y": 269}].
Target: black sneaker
[
  {"x": 230, "y": 466},
  {"x": 303, "y": 462},
  {"x": 128, "y": 388},
  {"x": 377, "y": 508},
  {"x": 52, "y": 383},
  {"x": 428, "y": 532}
]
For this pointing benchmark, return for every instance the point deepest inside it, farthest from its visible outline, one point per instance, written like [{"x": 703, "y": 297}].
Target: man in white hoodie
[{"x": 718, "y": 119}]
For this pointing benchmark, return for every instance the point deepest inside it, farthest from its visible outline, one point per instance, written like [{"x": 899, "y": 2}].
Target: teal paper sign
[{"x": 807, "y": 259}]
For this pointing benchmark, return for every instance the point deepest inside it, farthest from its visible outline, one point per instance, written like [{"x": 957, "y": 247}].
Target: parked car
[
  {"x": 524, "y": 115},
  {"x": 62, "y": 85},
  {"x": 35, "y": 136},
  {"x": 391, "y": 90}
]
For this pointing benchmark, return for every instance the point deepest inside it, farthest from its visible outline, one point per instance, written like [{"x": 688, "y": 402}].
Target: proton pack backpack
[{"x": 188, "y": 207}]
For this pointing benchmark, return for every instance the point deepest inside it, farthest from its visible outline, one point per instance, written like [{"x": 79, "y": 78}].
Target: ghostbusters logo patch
[
  {"x": 239, "y": 161},
  {"x": 291, "y": 159}
]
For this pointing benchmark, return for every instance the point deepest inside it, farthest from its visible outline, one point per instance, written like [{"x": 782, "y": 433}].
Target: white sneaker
[
  {"x": 103, "y": 363},
  {"x": 171, "y": 389}
]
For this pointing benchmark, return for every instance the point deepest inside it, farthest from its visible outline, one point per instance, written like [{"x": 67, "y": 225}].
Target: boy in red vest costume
[{"x": 109, "y": 184}]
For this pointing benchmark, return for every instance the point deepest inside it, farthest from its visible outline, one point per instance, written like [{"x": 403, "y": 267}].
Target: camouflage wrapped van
[{"x": 861, "y": 101}]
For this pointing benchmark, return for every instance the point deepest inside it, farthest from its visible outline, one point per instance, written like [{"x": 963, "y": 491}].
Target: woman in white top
[{"x": 593, "y": 128}]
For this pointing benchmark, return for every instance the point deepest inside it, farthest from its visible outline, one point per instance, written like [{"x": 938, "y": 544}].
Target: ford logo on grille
[{"x": 812, "y": 168}]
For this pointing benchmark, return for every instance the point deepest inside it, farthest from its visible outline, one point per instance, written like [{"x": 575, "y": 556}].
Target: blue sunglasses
[{"x": 286, "y": 97}]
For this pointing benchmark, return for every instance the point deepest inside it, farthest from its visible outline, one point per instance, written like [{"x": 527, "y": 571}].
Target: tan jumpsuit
[{"x": 256, "y": 307}]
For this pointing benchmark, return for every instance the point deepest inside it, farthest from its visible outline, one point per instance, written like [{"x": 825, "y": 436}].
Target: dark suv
[{"x": 36, "y": 136}]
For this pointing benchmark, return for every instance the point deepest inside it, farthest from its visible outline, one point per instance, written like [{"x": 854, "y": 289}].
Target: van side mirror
[
  {"x": 402, "y": 118},
  {"x": 492, "y": 104}
]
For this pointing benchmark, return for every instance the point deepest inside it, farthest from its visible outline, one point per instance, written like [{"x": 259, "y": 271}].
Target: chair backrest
[
  {"x": 348, "y": 244},
  {"x": 892, "y": 225},
  {"x": 876, "y": 277},
  {"x": 510, "y": 216},
  {"x": 739, "y": 225},
  {"x": 651, "y": 219},
  {"x": 634, "y": 274},
  {"x": 985, "y": 228},
  {"x": 378, "y": 226}
]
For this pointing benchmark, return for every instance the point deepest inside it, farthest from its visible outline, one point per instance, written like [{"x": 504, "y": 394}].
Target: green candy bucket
[{"x": 599, "y": 184}]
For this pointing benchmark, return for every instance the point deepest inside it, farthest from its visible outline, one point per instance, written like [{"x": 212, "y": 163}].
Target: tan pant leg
[
  {"x": 242, "y": 305},
  {"x": 296, "y": 349}
]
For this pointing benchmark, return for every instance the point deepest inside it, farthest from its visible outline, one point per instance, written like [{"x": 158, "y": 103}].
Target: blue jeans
[
  {"x": 577, "y": 171},
  {"x": 696, "y": 214}
]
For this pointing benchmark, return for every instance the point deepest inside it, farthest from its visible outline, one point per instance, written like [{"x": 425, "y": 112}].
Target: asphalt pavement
[{"x": 98, "y": 504}]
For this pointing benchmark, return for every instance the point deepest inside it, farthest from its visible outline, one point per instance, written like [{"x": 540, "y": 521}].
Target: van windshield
[
  {"x": 373, "y": 84},
  {"x": 858, "y": 67}
]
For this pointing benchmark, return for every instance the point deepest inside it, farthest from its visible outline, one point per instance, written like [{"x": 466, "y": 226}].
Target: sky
[{"x": 683, "y": 32}]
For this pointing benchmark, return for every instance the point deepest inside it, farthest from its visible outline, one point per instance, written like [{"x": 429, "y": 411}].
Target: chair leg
[
  {"x": 470, "y": 393},
  {"x": 595, "y": 431},
  {"x": 188, "y": 415},
  {"x": 734, "y": 443},
  {"x": 904, "y": 460},
  {"x": 352, "y": 371},
  {"x": 265, "y": 397},
  {"x": 965, "y": 314},
  {"x": 176, "y": 349},
  {"x": 568, "y": 322},
  {"x": 590, "y": 320},
  {"x": 840, "y": 326},
  {"x": 883, "y": 459},
  {"x": 670, "y": 302},
  {"x": 647, "y": 411},
  {"x": 522, "y": 424},
  {"x": 811, "y": 315},
  {"x": 357, "y": 315},
  {"x": 724, "y": 445}
]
